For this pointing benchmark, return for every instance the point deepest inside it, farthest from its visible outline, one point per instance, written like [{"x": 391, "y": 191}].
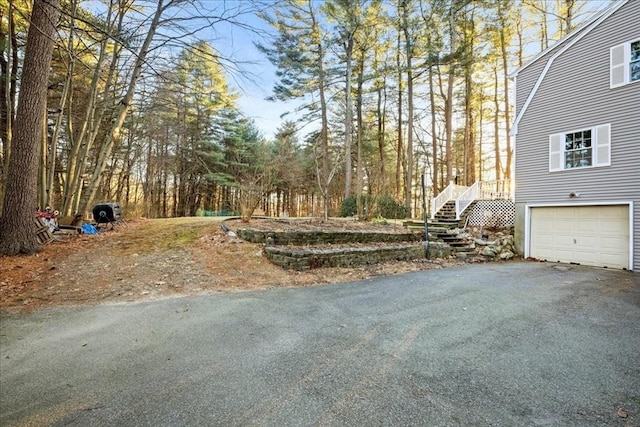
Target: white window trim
[
  {"x": 600, "y": 148},
  {"x": 623, "y": 67}
]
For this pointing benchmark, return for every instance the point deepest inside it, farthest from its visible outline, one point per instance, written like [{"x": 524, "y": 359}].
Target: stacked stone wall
[
  {"x": 302, "y": 238},
  {"x": 304, "y": 250},
  {"x": 305, "y": 259}
]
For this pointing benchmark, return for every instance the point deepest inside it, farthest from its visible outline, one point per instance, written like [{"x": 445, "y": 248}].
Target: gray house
[{"x": 577, "y": 155}]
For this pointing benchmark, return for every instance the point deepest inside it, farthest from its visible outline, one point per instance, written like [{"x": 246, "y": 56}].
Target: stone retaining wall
[
  {"x": 302, "y": 238},
  {"x": 305, "y": 259}
]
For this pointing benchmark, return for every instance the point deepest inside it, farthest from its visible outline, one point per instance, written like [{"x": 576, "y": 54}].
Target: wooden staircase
[
  {"x": 447, "y": 215},
  {"x": 440, "y": 227}
]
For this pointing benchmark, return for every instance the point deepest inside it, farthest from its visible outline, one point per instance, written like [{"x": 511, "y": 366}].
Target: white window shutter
[
  {"x": 556, "y": 143},
  {"x": 619, "y": 69},
  {"x": 603, "y": 146}
]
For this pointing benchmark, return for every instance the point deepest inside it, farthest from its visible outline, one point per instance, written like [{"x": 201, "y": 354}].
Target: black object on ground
[{"x": 107, "y": 213}]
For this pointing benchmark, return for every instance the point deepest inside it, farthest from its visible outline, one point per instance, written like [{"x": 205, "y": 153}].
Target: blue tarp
[{"x": 89, "y": 229}]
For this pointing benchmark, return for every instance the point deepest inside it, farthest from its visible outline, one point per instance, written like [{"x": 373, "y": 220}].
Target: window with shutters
[
  {"x": 577, "y": 149},
  {"x": 583, "y": 148},
  {"x": 634, "y": 64},
  {"x": 625, "y": 63}
]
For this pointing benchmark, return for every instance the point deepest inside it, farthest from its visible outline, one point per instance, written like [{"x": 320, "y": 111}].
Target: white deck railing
[
  {"x": 496, "y": 190},
  {"x": 464, "y": 196},
  {"x": 452, "y": 191},
  {"x": 465, "y": 199}
]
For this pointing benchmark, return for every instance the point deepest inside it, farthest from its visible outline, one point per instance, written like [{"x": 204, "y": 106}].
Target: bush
[
  {"x": 386, "y": 207},
  {"x": 349, "y": 207},
  {"x": 389, "y": 208}
]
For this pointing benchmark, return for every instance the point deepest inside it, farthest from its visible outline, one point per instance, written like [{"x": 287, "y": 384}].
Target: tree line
[{"x": 137, "y": 105}]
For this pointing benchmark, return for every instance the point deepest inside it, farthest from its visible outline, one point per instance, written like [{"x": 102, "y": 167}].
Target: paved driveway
[{"x": 510, "y": 344}]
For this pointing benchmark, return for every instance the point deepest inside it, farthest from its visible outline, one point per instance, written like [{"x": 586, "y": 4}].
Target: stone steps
[
  {"x": 303, "y": 250},
  {"x": 438, "y": 233},
  {"x": 456, "y": 243}
]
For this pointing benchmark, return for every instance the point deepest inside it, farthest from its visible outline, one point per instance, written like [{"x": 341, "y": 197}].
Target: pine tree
[{"x": 20, "y": 199}]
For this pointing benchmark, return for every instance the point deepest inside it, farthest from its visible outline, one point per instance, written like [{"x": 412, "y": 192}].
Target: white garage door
[{"x": 589, "y": 235}]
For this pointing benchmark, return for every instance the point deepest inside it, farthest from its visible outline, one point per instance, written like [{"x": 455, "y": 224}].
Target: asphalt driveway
[{"x": 509, "y": 344}]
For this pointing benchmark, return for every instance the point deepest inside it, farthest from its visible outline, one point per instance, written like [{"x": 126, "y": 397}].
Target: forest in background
[{"x": 140, "y": 108}]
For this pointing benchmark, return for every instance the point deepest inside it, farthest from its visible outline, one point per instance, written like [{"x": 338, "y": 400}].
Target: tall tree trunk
[
  {"x": 469, "y": 142},
  {"x": 381, "y": 138},
  {"x": 434, "y": 134},
  {"x": 20, "y": 199},
  {"x": 326, "y": 177},
  {"x": 448, "y": 103},
  {"x": 496, "y": 123},
  {"x": 503, "y": 18},
  {"x": 408, "y": 49},
  {"x": 469, "y": 173},
  {"x": 359, "y": 134},
  {"x": 123, "y": 109},
  {"x": 82, "y": 140},
  {"x": 64, "y": 97},
  {"x": 400, "y": 146},
  {"x": 520, "y": 34},
  {"x": 9, "y": 67},
  {"x": 409, "y": 176},
  {"x": 348, "y": 121},
  {"x": 42, "y": 161},
  {"x": 507, "y": 115}
]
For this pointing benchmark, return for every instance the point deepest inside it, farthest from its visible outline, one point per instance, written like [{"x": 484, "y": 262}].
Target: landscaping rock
[
  {"x": 506, "y": 254},
  {"x": 489, "y": 251}
]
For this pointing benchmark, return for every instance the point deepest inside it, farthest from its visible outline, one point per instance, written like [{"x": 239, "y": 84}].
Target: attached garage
[{"x": 587, "y": 235}]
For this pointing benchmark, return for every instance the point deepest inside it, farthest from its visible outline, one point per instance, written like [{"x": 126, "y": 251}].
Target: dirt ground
[{"x": 151, "y": 259}]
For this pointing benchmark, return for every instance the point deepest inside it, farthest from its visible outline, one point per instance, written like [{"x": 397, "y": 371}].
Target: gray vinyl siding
[
  {"x": 527, "y": 80},
  {"x": 574, "y": 95}
]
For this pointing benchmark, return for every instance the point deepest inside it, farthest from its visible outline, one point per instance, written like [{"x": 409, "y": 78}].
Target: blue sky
[{"x": 254, "y": 77}]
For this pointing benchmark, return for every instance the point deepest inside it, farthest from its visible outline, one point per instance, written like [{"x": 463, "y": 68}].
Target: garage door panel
[
  {"x": 610, "y": 260},
  {"x": 613, "y": 242},
  {"x": 590, "y": 235}
]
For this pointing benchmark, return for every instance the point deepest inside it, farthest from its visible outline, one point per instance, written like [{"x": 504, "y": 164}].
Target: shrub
[
  {"x": 350, "y": 208},
  {"x": 389, "y": 208}
]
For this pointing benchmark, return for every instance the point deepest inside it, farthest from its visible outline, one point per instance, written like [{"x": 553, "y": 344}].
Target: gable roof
[{"x": 568, "y": 41}]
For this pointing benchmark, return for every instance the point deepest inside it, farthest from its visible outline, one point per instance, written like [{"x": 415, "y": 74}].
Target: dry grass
[{"x": 155, "y": 258}]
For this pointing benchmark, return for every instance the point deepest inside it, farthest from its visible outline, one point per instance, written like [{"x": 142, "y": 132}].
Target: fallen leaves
[{"x": 139, "y": 262}]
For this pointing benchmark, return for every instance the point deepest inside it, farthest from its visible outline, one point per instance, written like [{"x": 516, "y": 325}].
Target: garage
[{"x": 587, "y": 235}]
